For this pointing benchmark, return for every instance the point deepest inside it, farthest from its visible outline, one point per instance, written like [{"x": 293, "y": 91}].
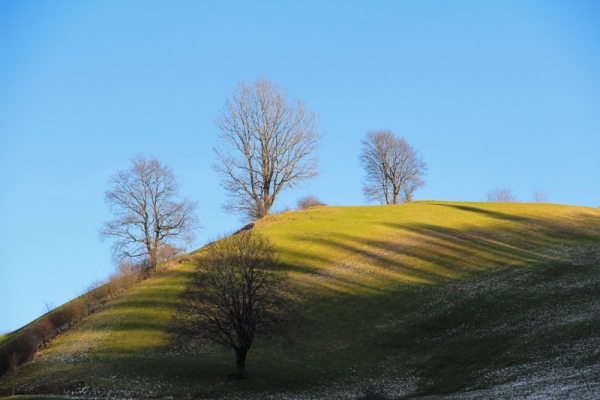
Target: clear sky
[{"x": 491, "y": 94}]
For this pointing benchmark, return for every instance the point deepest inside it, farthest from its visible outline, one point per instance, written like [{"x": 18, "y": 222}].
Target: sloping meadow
[{"x": 438, "y": 299}]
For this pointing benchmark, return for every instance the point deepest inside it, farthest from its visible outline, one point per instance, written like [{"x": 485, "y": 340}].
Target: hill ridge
[{"x": 426, "y": 298}]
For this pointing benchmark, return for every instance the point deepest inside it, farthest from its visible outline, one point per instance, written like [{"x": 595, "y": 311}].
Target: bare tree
[
  {"x": 540, "y": 196},
  {"x": 149, "y": 221},
  {"x": 238, "y": 292},
  {"x": 501, "y": 195},
  {"x": 48, "y": 306},
  {"x": 267, "y": 145},
  {"x": 394, "y": 170}
]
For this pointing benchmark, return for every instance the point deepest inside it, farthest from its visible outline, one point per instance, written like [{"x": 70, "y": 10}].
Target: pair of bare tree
[
  {"x": 506, "y": 195},
  {"x": 268, "y": 145}
]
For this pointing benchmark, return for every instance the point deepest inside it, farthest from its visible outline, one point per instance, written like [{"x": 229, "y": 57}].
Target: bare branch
[
  {"x": 238, "y": 292},
  {"x": 267, "y": 146},
  {"x": 540, "y": 196},
  {"x": 501, "y": 195},
  {"x": 148, "y": 222},
  {"x": 394, "y": 170}
]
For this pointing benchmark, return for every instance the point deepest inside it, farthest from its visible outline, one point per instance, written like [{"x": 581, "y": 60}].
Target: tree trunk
[
  {"x": 153, "y": 259},
  {"x": 240, "y": 358}
]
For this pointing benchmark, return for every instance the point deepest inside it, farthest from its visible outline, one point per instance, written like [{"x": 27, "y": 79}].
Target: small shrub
[
  {"x": 126, "y": 275},
  {"x": 97, "y": 293},
  {"x": 59, "y": 319},
  {"x": 166, "y": 252},
  {"x": 8, "y": 359},
  {"x": 24, "y": 346},
  {"x": 74, "y": 311},
  {"x": 501, "y": 195},
  {"x": 119, "y": 283},
  {"x": 308, "y": 202},
  {"x": 67, "y": 315},
  {"x": 45, "y": 330}
]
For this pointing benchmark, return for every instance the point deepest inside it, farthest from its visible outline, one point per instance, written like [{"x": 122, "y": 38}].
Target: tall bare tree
[
  {"x": 501, "y": 195},
  {"x": 268, "y": 144},
  {"x": 394, "y": 170},
  {"x": 238, "y": 292},
  {"x": 149, "y": 220}
]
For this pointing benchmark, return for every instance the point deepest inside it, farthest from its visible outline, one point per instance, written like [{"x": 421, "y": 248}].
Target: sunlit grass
[{"x": 427, "y": 297}]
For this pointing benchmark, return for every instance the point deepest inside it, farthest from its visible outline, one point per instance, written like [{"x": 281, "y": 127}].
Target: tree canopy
[
  {"x": 267, "y": 144},
  {"x": 149, "y": 220},
  {"x": 393, "y": 169}
]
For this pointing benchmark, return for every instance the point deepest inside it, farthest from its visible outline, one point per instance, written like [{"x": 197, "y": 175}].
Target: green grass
[{"x": 427, "y": 298}]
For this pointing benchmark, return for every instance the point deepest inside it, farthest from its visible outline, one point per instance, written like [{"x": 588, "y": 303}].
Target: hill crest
[{"x": 379, "y": 285}]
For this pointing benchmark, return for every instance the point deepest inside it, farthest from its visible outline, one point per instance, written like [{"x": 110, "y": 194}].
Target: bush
[
  {"x": 32, "y": 338},
  {"x": 58, "y": 318},
  {"x": 501, "y": 195},
  {"x": 74, "y": 311},
  {"x": 25, "y": 346},
  {"x": 9, "y": 357},
  {"x": 308, "y": 202},
  {"x": 44, "y": 330},
  {"x": 126, "y": 274},
  {"x": 67, "y": 315},
  {"x": 29, "y": 340}
]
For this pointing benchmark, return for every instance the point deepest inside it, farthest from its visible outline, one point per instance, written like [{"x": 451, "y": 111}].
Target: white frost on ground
[{"x": 541, "y": 383}]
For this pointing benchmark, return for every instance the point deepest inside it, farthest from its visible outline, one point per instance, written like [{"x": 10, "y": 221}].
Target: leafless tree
[
  {"x": 149, "y": 221},
  {"x": 394, "y": 170},
  {"x": 308, "y": 202},
  {"x": 540, "y": 196},
  {"x": 48, "y": 306},
  {"x": 268, "y": 144},
  {"x": 238, "y": 292},
  {"x": 501, "y": 195}
]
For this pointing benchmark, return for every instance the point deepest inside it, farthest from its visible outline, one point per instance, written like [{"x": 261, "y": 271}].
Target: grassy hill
[{"x": 427, "y": 299}]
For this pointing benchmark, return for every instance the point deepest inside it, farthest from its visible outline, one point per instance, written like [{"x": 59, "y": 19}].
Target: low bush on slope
[
  {"x": 20, "y": 346},
  {"x": 428, "y": 298}
]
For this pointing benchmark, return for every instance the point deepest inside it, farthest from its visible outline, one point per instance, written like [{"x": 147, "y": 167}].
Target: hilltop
[{"x": 441, "y": 299}]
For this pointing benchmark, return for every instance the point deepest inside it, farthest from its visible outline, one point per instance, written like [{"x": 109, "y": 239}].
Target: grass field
[{"x": 427, "y": 299}]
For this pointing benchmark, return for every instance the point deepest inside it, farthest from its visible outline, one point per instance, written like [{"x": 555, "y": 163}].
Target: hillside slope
[{"x": 425, "y": 299}]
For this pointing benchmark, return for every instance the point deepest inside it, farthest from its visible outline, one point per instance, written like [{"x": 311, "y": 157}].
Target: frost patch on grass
[
  {"x": 537, "y": 382},
  {"x": 393, "y": 387}
]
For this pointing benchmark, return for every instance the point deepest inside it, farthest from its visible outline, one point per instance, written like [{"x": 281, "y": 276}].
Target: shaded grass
[
  {"x": 428, "y": 298},
  {"x": 7, "y": 337}
]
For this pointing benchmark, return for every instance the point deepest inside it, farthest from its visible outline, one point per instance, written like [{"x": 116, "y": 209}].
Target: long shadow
[
  {"x": 350, "y": 244},
  {"x": 488, "y": 213},
  {"x": 452, "y": 248},
  {"x": 458, "y": 252},
  {"x": 559, "y": 228}
]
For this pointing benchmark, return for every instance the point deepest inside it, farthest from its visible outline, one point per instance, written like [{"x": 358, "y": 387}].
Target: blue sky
[{"x": 491, "y": 94}]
